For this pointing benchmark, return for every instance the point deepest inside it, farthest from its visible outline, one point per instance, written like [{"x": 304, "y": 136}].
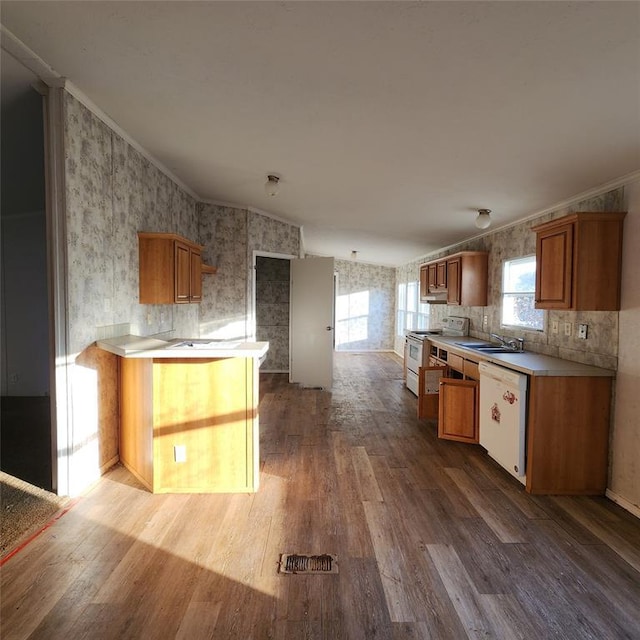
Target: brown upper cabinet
[
  {"x": 579, "y": 262},
  {"x": 463, "y": 276},
  {"x": 170, "y": 269}
]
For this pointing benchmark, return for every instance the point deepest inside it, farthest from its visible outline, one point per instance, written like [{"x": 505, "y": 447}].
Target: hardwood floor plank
[
  {"x": 198, "y": 621},
  {"x": 367, "y": 484},
  {"x": 462, "y": 593},
  {"x": 390, "y": 562},
  {"x": 603, "y": 530},
  {"x": 489, "y": 508}
]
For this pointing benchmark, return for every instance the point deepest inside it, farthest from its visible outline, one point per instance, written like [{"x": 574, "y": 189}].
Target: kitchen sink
[
  {"x": 492, "y": 349},
  {"x": 486, "y": 347},
  {"x": 474, "y": 345}
]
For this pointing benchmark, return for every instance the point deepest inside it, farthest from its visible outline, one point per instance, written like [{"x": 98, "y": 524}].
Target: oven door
[{"x": 414, "y": 355}]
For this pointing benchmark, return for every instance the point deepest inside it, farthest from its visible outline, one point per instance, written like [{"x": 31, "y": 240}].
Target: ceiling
[{"x": 389, "y": 123}]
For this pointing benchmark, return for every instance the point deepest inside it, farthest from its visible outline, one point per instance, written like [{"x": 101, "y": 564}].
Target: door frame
[{"x": 59, "y": 362}]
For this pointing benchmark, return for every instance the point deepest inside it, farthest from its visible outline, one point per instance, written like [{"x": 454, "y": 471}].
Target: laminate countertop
[
  {"x": 131, "y": 346},
  {"x": 533, "y": 364}
]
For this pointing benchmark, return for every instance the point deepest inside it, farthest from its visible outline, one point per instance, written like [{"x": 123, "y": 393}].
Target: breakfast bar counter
[{"x": 189, "y": 413}]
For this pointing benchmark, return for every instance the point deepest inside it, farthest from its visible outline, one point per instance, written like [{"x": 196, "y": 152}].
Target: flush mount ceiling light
[
  {"x": 483, "y": 219},
  {"x": 272, "y": 185}
]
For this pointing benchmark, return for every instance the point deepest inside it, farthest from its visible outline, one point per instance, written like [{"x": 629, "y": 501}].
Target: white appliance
[
  {"x": 503, "y": 411},
  {"x": 416, "y": 356}
]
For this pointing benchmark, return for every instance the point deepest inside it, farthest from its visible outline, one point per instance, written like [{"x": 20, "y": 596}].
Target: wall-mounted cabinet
[
  {"x": 170, "y": 269},
  {"x": 579, "y": 262},
  {"x": 458, "y": 279}
]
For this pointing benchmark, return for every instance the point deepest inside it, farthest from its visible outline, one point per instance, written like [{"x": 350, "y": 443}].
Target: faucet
[
  {"x": 515, "y": 344},
  {"x": 500, "y": 339}
]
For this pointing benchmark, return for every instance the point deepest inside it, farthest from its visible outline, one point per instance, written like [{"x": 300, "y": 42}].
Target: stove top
[{"x": 451, "y": 326}]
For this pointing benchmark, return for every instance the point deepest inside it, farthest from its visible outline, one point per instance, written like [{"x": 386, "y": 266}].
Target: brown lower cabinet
[
  {"x": 190, "y": 425},
  {"x": 568, "y": 435},
  {"x": 458, "y": 410},
  {"x": 567, "y": 451},
  {"x": 454, "y": 402}
]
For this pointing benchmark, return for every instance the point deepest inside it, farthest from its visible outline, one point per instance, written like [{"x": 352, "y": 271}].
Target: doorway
[
  {"x": 272, "y": 298},
  {"x": 26, "y": 436}
]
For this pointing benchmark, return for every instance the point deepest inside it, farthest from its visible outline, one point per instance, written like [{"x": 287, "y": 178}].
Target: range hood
[{"x": 436, "y": 298}]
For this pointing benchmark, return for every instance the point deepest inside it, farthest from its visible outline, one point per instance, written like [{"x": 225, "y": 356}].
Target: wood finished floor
[{"x": 434, "y": 540}]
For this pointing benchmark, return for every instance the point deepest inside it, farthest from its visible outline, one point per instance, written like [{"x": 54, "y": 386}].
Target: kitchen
[
  {"x": 114, "y": 191},
  {"x": 101, "y": 284},
  {"x": 529, "y": 380}
]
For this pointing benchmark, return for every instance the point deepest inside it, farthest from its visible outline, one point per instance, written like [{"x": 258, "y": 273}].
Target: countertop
[
  {"x": 534, "y": 364},
  {"x": 139, "y": 347}
]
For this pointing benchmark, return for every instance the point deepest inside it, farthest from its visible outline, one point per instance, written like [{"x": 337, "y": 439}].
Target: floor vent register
[{"x": 298, "y": 563}]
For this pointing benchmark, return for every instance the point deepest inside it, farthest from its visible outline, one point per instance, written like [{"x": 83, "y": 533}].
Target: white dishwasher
[{"x": 503, "y": 415}]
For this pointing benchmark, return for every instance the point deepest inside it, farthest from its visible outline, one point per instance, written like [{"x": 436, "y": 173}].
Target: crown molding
[{"x": 13, "y": 45}]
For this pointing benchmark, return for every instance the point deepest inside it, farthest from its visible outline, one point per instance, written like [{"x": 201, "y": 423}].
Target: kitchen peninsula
[{"x": 189, "y": 413}]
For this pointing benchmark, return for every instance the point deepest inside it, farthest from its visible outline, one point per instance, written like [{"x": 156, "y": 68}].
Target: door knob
[{"x": 329, "y": 328}]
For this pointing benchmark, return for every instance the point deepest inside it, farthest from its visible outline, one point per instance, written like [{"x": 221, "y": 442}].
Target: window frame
[
  {"x": 503, "y": 295},
  {"x": 410, "y": 314}
]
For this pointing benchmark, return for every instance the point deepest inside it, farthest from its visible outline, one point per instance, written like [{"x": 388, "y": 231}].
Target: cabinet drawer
[
  {"x": 471, "y": 370},
  {"x": 456, "y": 362}
]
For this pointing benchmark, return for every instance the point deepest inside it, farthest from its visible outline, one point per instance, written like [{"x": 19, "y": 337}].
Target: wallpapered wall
[
  {"x": 231, "y": 236},
  {"x": 365, "y": 304},
  {"x": 601, "y": 348},
  {"x": 112, "y": 193}
]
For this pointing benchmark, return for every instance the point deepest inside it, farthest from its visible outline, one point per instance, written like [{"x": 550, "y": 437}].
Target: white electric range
[{"x": 416, "y": 356}]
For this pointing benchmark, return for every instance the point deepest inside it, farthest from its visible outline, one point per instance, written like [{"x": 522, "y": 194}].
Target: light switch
[
  {"x": 554, "y": 326},
  {"x": 180, "y": 453}
]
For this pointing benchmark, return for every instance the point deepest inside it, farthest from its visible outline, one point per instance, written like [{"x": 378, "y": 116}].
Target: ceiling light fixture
[
  {"x": 483, "y": 219},
  {"x": 272, "y": 185}
]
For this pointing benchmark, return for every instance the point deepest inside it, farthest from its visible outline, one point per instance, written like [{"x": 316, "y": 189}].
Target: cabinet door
[
  {"x": 195, "y": 276},
  {"x": 428, "y": 390},
  {"x": 441, "y": 275},
  {"x": 554, "y": 255},
  {"x": 453, "y": 281},
  {"x": 458, "y": 411},
  {"x": 182, "y": 272},
  {"x": 432, "y": 278},
  {"x": 424, "y": 282}
]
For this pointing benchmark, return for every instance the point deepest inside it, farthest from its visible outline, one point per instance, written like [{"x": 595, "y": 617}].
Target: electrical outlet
[
  {"x": 180, "y": 453},
  {"x": 567, "y": 328},
  {"x": 582, "y": 331},
  {"x": 485, "y": 321},
  {"x": 554, "y": 326}
]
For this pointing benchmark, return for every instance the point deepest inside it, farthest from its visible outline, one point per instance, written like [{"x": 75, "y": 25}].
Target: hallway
[{"x": 433, "y": 539}]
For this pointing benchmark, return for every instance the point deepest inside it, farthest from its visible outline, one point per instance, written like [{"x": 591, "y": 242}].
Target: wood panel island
[{"x": 189, "y": 413}]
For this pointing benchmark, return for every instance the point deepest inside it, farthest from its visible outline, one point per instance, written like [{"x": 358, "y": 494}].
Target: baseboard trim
[
  {"x": 110, "y": 463},
  {"x": 624, "y": 503},
  {"x": 365, "y": 351}
]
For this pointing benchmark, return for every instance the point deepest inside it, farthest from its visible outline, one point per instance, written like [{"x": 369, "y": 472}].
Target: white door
[{"x": 311, "y": 322}]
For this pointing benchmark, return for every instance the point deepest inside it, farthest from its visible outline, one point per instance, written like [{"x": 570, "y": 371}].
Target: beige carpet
[{"x": 24, "y": 510}]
